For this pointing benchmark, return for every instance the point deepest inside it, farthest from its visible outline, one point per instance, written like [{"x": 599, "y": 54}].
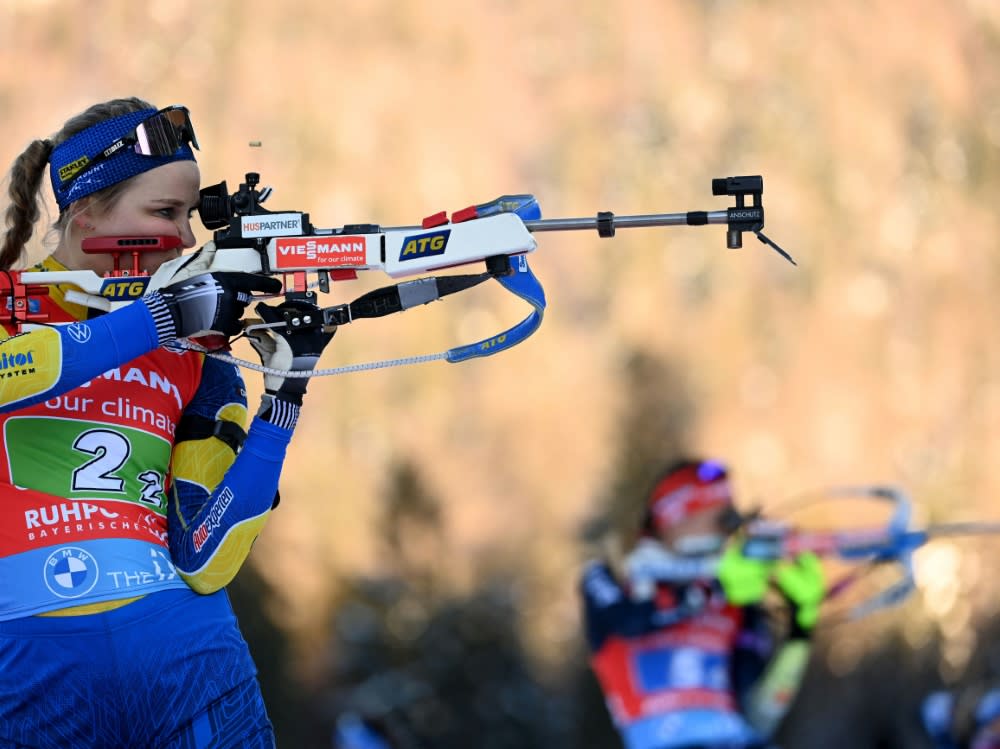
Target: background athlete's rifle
[
  {"x": 890, "y": 543},
  {"x": 248, "y": 237}
]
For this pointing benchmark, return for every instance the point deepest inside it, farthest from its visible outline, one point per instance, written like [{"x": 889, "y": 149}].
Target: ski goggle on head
[{"x": 139, "y": 141}]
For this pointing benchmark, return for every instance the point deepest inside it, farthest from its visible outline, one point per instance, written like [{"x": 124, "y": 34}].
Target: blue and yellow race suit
[{"x": 130, "y": 495}]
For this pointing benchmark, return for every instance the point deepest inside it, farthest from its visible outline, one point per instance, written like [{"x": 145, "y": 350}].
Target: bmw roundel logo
[{"x": 70, "y": 572}]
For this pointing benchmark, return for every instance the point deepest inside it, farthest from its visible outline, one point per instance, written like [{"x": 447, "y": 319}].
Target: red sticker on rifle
[{"x": 320, "y": 252}]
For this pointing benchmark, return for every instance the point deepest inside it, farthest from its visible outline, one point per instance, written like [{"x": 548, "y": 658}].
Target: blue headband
[{"x": 120, "y": 167}]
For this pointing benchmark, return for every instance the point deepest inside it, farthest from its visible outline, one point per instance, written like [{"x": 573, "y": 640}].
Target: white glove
[
  {"x": 650, "y": 560},
  {"x": 266, "y": 344},
  {"x": 184, "y": 267},
  {"x": 207, "y": 259},
  {"x": 641, "y": 589}
]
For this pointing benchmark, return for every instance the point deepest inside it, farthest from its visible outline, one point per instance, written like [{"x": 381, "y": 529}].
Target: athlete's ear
[{"x": 82, "y": 217}]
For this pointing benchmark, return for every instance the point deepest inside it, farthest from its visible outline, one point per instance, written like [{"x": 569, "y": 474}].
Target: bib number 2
[
  {"x": 111, "y": 452},
  {"x": 87, "y": 461}
]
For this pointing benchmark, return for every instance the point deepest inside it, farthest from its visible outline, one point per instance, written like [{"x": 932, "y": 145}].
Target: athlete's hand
[
  {"x": 651, "y": 563},
  {"x": 744, "y": 580},
  {"x": 802, "y": 583},
  {"x": 194, "y": 264},
  {"x": 288, "y": 348},
  {"x": 206, "y": 259},
  {"x": 205, "y": 304},
  {"x": 640, "y": 569}
]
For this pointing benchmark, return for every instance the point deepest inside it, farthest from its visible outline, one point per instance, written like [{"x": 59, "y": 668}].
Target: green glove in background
[
  {"x": 802, "y": 583},
  {"x": 744, "y": 580}
]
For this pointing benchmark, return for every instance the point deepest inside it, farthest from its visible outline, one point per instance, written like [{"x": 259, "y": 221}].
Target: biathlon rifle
[
  {"x": 891, "y": 543},
  {"x": 248, "y": 237}
]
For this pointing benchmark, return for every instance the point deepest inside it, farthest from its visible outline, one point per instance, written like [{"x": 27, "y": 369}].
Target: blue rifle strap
[{"x": 521, "y": 282}]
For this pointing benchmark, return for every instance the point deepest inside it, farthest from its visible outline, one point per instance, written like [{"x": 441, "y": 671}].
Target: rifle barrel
[
  {"x": 971, "y": 528},
  {"x": 639, "y": 221},
  {"x": 691, "y": 218}
]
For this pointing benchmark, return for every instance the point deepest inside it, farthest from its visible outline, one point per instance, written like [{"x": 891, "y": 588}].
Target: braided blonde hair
[{"x": 28, "y": 171}]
